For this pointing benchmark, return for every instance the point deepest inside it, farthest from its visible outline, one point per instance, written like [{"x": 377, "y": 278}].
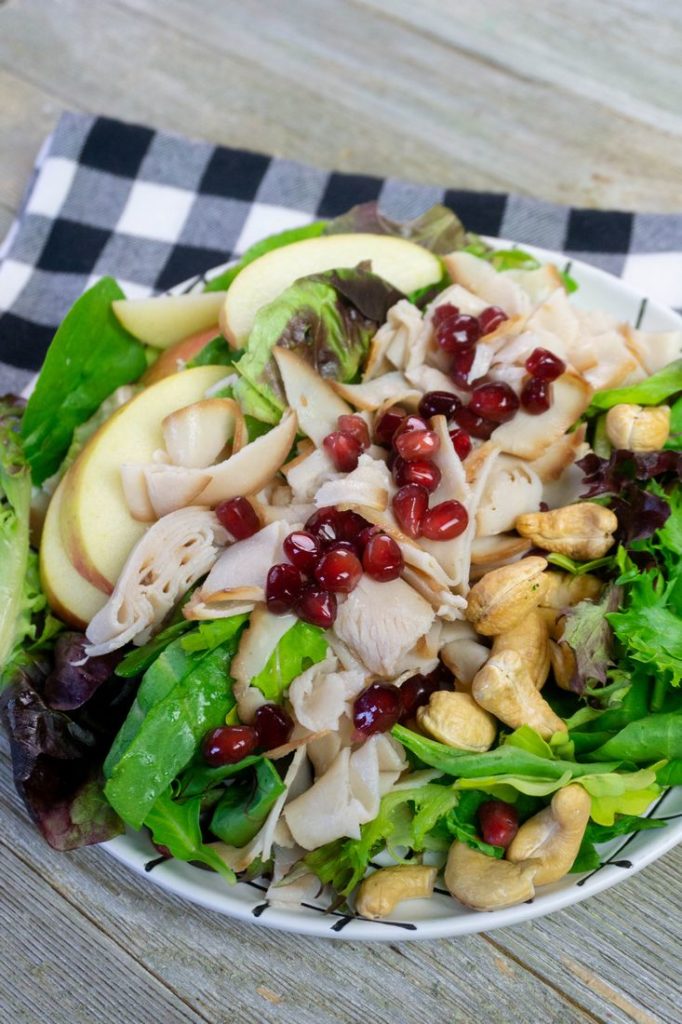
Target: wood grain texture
[{"x": 576, "y": 103}]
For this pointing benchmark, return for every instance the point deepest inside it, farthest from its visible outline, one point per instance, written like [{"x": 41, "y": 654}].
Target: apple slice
[
  {"x": 70, "y": 596},
  {"x": 405, "y": 265},
  {"x": 168, "y": 319},
  {"x": 196, "y": 435},
  {"x": 97, "y": 527},
  {"x": 173, "y": 359}
]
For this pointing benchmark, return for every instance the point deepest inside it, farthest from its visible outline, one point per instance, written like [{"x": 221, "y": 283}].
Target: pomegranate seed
[
  {"x": 462, "y": 362},
  {"x": 415, "y": 692},
  {"x": 499, "y": 822},
  {"x": 228, "y": 744},
  {"x": 439, "y": 403},
  {"x": 458, "y": 332},
  {"x": 317, "y": 606},
  {"x": 302, "y": 549},
  {"x": 444, "y": 312},
  {"x": 544, "y": 364},
  {"x": 351, "y": 525},
  {"x": 366, "y": 535},
  {"x": 474, "y": 425},
  {"x": 461, "y": 442},
  {"x": 356, "y": 427},
  {"x": 343, "y": 450},
  {"x": 536, "y": 396},
  {"x": 445, "y": 521},
  {"x": 239, "y": 517},
  {"x": 496, "y": 402},
  {"x": 410, "y": 424},
  {"x": 382, "y": 558},
  {"x": 417, "y": 472},
  {"x": 490, "y": 319},
  {"x": 387, "y": 424},
  {"x": 282, "y": 588},
  {"x": 417, "y": 444},
  {"x": 339, "y": 569},
  {"x": 409, "y": 505},
  {"x": 325, "y": 524},
  {"x": 377, "y": 709},
  {"x": 274, "y": 726}
]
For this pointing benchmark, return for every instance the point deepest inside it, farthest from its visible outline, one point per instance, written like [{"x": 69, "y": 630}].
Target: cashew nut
[
  {"x": 637, "y": 428},
  {"x": 530, "y": 640},
  {"x": 553, "y": 836},
  {"x": 563, "y": 590},
  {"x": 486, "y": 883},
  {"x": 457, "y": 720},
  {"x": 505, "y": 688},
  {"x": 564, "y": 666},
  {"x": 383, "y": 890},
  {"x": 581, "y": 531},
  {"x": 504, "y": 596}
]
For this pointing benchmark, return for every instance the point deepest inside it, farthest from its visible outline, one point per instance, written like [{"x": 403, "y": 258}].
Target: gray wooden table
[{"x": 577, "y": 102}]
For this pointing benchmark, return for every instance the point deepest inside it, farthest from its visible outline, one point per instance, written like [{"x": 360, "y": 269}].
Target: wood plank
[
  {"x": 58, "y": 967},
  {"x": 27, "y": 115},
  {"x": 237, "y": 972},
  {"x": 333, "y": 96}
]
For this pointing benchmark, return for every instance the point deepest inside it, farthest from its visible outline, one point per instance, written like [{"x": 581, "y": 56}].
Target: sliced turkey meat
[
  {"x": 171, "y": 556},
  {"x": 382, "y": 623}
]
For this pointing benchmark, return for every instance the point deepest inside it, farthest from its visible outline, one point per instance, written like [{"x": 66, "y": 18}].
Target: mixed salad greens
[{"x": 389, "y": 650}]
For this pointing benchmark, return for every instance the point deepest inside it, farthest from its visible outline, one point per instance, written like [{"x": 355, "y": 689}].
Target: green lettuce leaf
[
  {"x": 655, "y": 389},
  {"x": 20, "y": 594},
  {"x": 589, "y": 858},
  {"x": 328, "y": 319},
  {"x": 223, "y": 281},
  {"x": 199, "y": 777},
  {"x": 302, "y": 646},
  {"x": 649, "y": 627},
  {"x": 242, "y": 810},
  {"x": 90, "y": 356},
  {"x": 182, "y": 695},
  {"x": 216, "y": 353},
  {"x": 176, "y": 826},
  {"x": 589, "y": 635},
  {"x": 654, "y": 738},
  {"x": 409, "y": 815}
]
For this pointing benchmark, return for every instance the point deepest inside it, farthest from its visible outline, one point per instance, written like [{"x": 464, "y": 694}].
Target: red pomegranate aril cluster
[
  {"x": 325, "y": 524},
  {"x": 303, "y": 549},
  {"x": 461, "y": 442},
  {"x": 283, "y": 587},
  {"x": 490, "y": 319},
  {"x": 544, "y": 364},
  {"x": 387, "y": 424},
  {"x": 239, "y": 517},
  {"x": 356, "y": 427},
  {"x": 494, "y": 401},
  {"x": 474, "y": 425},
  {"x": 274, "y": 726},
  {"x": 445, "y": 521},
  {"x": 409, "y": 506},
  {"x": 498, "y": 821},
  {"x": 461, "y": 367},
  {"x": 228, "y": 744},
  {"x": 339, "y": 569},
  {"x": 316, "y": 606},
  {"x": 417, "y": 444},
  {"x": 377, "y": 709},
  {"x": 382, "y": 558},
  {"x": 439, "y": 403},
  {"x": 415, "y": 693},
  {"x": 419, "y": 471},
  {"x": 536, "y": 396},
  {"x": 343, "y": 450}
]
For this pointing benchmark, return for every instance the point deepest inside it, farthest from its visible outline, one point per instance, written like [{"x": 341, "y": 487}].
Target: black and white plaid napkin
[{"x": 153, "y": 209}]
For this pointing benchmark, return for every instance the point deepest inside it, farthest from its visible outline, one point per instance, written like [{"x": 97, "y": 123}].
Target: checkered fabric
[{"x": 152, "y": 209}]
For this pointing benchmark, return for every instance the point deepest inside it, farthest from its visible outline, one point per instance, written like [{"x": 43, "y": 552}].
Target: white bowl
[{"x": 440, "y": 916}]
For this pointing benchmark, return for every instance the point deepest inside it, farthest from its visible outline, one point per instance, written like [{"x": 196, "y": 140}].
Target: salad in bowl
[{"x": 354, "y": 570}]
